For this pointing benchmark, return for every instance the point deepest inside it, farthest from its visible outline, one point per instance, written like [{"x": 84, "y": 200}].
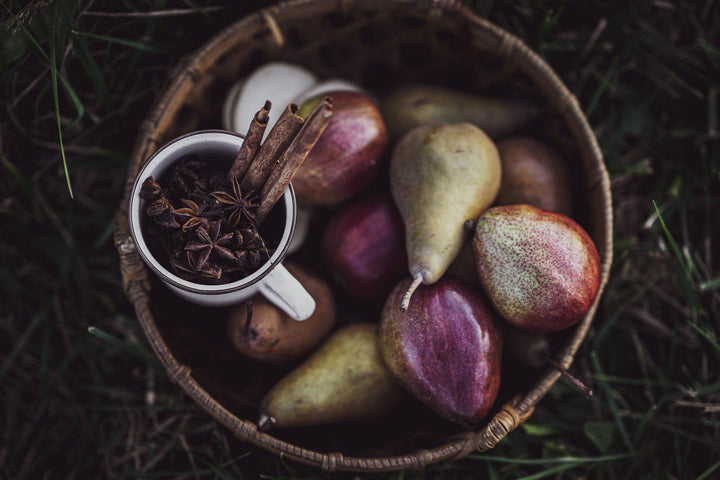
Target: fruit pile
[{"x": 482, "y": 228}]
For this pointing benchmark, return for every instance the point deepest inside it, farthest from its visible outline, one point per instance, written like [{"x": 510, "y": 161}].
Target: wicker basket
[{"x": 380, "y": 44}]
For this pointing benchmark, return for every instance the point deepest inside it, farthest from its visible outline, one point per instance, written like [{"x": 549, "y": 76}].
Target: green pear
[
  {"x": 440, "y": 178},
  {"x": 422, "y": 105},
  {"x": 345, "y": 380}
]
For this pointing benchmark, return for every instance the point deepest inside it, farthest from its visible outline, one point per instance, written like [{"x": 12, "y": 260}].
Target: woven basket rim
[{"x": 267, "y": 21}]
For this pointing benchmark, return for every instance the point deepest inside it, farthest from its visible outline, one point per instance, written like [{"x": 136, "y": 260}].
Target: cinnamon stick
[
  {"x": 293, "y": 157},
  {"x": 250, "y": 145},
  {"x": 279, "y": 139}
]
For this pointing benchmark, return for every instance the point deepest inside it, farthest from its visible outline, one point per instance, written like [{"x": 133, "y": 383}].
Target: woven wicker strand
[
  {"x": 266, "y": 32},
  {"x": 504, "y": 422}
]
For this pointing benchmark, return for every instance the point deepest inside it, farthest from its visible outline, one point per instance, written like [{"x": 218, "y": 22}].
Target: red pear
[
  {"x": 364, "y": 246},
  {"x": 539, "y": 269},
  {"x": 348, "y": 155},
  {"x": 445, "y": 349}
]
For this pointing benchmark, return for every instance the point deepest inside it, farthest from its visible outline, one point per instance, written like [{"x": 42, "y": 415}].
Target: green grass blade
[
  {"x": 600, "y": 91},
  {"x": 554, "y": 460},
  {"x": 132, "y": 348},
  {"x": 53, "y": 76},
  {"x": 709, "y": 284},
  {"x": 673, "y": 244},
  {"x": 21, "y": 343},
  {"x": 93, "y": 71},
  {"x": 688, "y": 285},
  {"x": 640, "y": 430},
  {"x": 26, "y": 31},
  {"x": 146, "y": 47},
  {"x": 21, "y": 179},
  {"x": 709, "y": 471},
  {"x": 612, "y": 404},
  {"x": 548, "y": 472},
  {"x": 77, "y": 103}
]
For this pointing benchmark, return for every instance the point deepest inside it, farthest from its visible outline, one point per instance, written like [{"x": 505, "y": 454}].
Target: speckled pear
[
  {"x": 539, "y": 269},
  {"x": 441, "y": 177}
]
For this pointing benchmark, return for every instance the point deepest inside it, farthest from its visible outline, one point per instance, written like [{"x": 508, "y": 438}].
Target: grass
[{"x": 84, "y": 397}]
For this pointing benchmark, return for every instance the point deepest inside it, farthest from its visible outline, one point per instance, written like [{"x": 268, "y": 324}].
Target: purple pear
[
  {"x": 364, "y": 247},
  {"x": 445, "y": 349},
  {"x": 539, "y": 269}
]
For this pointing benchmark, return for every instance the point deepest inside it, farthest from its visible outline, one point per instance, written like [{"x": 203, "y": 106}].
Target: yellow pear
[
  {"x": 422, "y": 105},
  {"x": 440, "y": 178},
  {"x": 344, "y": 380}
]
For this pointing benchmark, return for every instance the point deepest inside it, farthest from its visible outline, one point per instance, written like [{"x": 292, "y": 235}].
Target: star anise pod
[
  {"x": 209, "y": 241},
  {"x": 203, "y": 186},
  {"x": 251, "y": 238},
  {"x": 191, "y": 213},
  {"x": 255, "y": 258},
  {"x": 184, "y": 175},
  {"x": 247, "y": 260},
  {"x": 160, "y": 211},
  {"x": 238, "y": 240},
  {"x": 150, "y": 189},
  {"x": 188, "y": 265},
  {"x": 238, "y": 204}
]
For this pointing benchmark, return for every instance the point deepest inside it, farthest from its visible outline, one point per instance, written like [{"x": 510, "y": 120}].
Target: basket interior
[{"x": 379, "y": 49}]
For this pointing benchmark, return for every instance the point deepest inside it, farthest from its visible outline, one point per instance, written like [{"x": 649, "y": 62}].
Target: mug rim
[{"x": 163, "y": 273}]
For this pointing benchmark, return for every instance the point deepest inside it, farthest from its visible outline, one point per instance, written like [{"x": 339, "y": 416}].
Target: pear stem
[
  {"x": 469, "y": 226},
  {"x": 587, "y": 391},
  {"x": 417, "y": 280},
  {"x": 265, "y": 422}
]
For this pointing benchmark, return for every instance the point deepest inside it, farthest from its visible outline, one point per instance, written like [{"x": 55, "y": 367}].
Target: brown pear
[
  {"x": 464, "y": 264},
  {"x": 440, "y": 178},
  {"x": 536, "y": 174},
  {"x": 531, "y": 349},
  {"x": 345, "y": 380},
  {"x": 273, "y": 336}
]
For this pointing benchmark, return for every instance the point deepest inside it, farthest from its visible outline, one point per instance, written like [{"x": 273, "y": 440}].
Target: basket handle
[{"x": 504, "y": 422}]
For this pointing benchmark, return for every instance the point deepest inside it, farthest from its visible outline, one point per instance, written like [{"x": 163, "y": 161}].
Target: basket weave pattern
[{"x": 380, "y": 44}]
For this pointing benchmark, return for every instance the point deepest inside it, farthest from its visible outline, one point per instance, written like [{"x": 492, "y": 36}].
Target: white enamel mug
[{"x": 272, "y": 279}]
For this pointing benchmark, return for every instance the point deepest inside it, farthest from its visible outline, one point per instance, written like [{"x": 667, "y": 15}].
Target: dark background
[{"x": 81, "y": 393}]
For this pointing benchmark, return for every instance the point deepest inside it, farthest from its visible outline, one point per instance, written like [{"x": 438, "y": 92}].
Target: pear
[
  {"x": 272, "y": 335},
  {"x": 530, "y": 349},
  {"x": 364, "y": 247},
  {"x": 345, "y": 380},
  {"x": 421, "y": 105},
  {"x": 536, "y": 174},
  {"x": 348, "y": 156},
  {"x": 540, "y": 269},
  {"x": 446, "y": 349},
  {"x": 440, "y": 178},
  {"x": 464, "y": 264}
]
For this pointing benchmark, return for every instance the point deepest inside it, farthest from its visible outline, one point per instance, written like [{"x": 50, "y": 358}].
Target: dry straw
[{"x": 380, "y": 44}]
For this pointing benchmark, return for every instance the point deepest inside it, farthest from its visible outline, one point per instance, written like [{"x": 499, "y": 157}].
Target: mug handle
[{"x": 282, "y": 289}]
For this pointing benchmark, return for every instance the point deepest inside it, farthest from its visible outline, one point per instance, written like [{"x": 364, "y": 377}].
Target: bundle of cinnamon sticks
[{"x": 270, "y": 167}]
